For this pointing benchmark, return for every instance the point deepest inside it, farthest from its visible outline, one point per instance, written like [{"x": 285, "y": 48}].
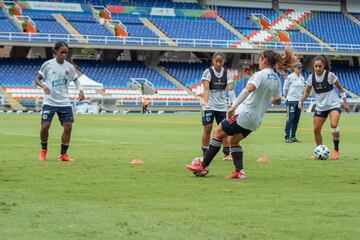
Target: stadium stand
[
  {"x": 118, "y": 74},
  {"x": 134, "y": 26},
  {"x": 349, "y": 78},
  {"x": 197, "y": 28},
  {"x": 333, "y": 28}
]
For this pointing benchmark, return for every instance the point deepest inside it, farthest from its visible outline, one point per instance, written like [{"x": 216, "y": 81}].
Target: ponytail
[{"x": 281, "y": 62}]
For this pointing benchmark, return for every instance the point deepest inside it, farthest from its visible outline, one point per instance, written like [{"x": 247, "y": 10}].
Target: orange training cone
[
  {"x": 136, "y": 162},
  {"x": 263, "y": 159}
]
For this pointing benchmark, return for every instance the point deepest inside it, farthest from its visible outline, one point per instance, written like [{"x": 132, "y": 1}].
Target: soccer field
[{"x": 103, "y": 196}]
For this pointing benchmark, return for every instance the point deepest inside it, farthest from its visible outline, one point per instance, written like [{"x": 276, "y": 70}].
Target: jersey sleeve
[
  {"x": 44, "y": 69},
  {"x": 287, "y": 84},
  {"x": 309, "y": 80},
  {"x": 206, "y": 75},
  {"x": 255, "y": 79},
  {"x": 332, "y": 78},
  {"x": 230, "y": 77},
  {"x": 277, "y": 92},
  {"x": 74, "y": 73}
]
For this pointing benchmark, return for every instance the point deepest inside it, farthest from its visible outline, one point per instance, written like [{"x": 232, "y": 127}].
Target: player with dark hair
[
  {"x": 293, "y": 90},
  {"x": 54, "y": 77},
  {"x": 246, "y": 113},
  {"x": 216, "y": 80},
  {"x": 322, "y": 80}
]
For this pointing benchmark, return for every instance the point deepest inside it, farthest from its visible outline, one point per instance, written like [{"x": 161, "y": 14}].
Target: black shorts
[
  {"x": 230, "y": 127},
  {"x": 209, "y": 115},
  {"x": 325, "y": 114},
  {"x": 65, "y": 114}
]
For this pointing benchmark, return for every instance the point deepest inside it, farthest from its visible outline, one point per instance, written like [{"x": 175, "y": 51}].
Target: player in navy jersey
[
  {"x": 327, "y": 101},
  {"x": 54, "y": 78}
]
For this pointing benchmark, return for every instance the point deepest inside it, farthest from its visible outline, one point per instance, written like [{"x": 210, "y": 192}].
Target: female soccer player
[
  {"x": 216, "y": 80},
  {"x": 54, "y": 78},
  {"x": 293, "y": 90},
  {"x": 327, "y": 101},
  {"x": 250, "y": 106}
]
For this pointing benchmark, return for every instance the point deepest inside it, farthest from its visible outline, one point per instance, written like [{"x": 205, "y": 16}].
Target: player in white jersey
[
  {"x": 246, "y": 113},
  {"x": 54, "y": 77},
  {"x": 216, "y": 80},
  {"x": 293, "y": 90},
  {"x": 327, "y": 101}
]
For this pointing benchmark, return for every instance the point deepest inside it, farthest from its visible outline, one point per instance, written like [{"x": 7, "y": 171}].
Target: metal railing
[{"x": 182, "y": 42}]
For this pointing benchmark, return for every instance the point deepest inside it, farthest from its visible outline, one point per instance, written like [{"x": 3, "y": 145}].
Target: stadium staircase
[
  {"x": 10, "y": 101},
  {"x": 69, "y": 27},
  {"x": 171, "y": 78},
  {"x": 148, "y": 23},
  {"x": 299, "y": 16},
  {"x": 353, "y": 18}
]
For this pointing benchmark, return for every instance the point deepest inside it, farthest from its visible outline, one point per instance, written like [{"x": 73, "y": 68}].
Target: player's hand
[
  {"x": 300, "y": 105},
  {"x": 81, "y": 95},
  {"x": 46, "y": 89},
  {"x": 347, "y": 108},
  {"x": 230, "y": 113},
  {"x": 205, "y": 105}
]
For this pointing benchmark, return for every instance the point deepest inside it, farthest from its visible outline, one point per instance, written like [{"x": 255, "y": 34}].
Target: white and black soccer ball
[
  {"x": 199, "y": 160},
  {"x": 322, "y": 152}
]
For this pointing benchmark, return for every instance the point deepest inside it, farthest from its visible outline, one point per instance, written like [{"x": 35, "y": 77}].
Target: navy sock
[
  {"x": 44, "y": 145},
  {"x": 214, "y": 148},
  {"x": 237, "y": 156},
  {"x": 336, "y": 143},
  {"x": 64, "y": 148},
  {"x": 226, "y": 150},
  {"x": 204, "y": 149}
]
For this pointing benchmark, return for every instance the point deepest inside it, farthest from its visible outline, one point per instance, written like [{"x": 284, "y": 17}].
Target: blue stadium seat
[
  {"x": 118, "y": 74},
  {"x": 193, "y": 28},
  {"x": 333, "y": 27},
  {"x": 349, "y": 78}
]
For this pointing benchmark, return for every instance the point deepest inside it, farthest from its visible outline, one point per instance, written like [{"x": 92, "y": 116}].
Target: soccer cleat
[
  {"x": 227, "y": 157},
  {"x": 288, "y": 140},
  {"x": 238, "y": 175},
  {"x": 197, "y": 168},
  {"x": 314, "y": 157},
  {"x": 294, "y": 139},
  {"x": 66, "y": 158},
  {"x": 42, "y": 156},
  {"x": 335, "y": 155}
]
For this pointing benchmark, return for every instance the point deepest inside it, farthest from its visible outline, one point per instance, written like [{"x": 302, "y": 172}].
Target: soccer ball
[
  {"x": 198, "y": 160},
  {"x": 322, "y": 152}
]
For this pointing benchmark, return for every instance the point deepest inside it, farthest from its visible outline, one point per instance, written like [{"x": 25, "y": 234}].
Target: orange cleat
[
  {"x": 66, "y": 158},
  {"x": 42, "y": 156},
  {"x": 197, "y": 168},
  {"x": 335, "y": 155},
  {"x": 238, "y": 175}
]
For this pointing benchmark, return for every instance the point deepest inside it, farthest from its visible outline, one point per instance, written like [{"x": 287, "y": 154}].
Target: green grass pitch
[{"x": 103, "y": 196}]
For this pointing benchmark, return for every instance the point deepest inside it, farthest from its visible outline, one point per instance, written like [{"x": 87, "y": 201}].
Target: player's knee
[
  {"x": 317, "y": 130},
  {"x": 207, "y": 129},
  {"x": 67, "y": 126},
  {"x": 45, "y": 127},
  {"x": 218, "y": 133}
]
